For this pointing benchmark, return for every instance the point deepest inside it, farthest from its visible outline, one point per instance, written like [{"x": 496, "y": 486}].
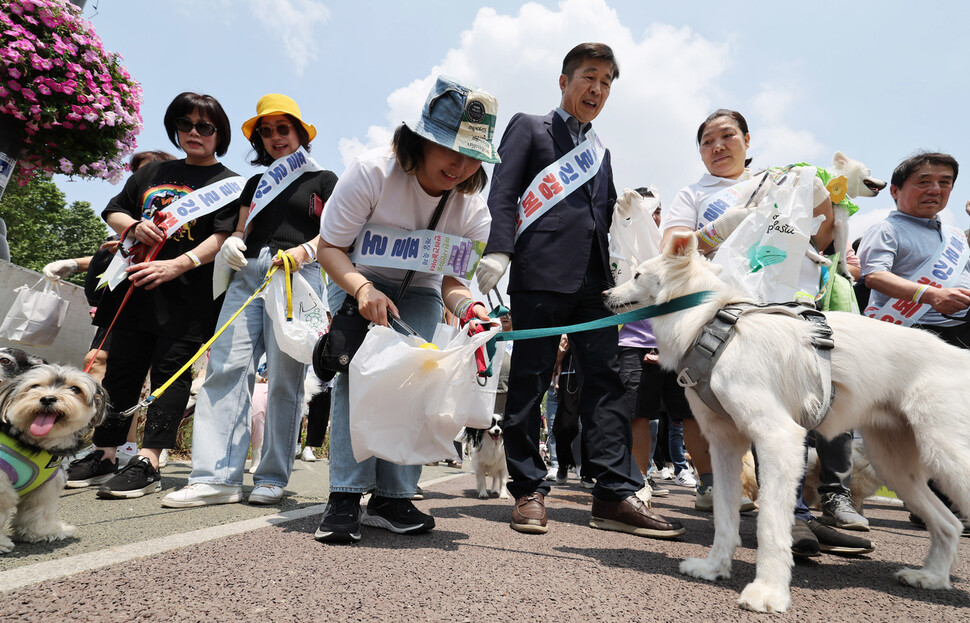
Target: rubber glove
[
  {"x": 232, "y": 252},
  {"x": 61, "y": 269},
  {"x": 490, "y": 269},
  {"x": 627, "y": 204}
]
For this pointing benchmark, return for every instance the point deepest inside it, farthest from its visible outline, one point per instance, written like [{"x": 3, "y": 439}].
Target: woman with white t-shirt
[
  {"x": 723, "y": 141},
  {"x": 438, "y": 158}
]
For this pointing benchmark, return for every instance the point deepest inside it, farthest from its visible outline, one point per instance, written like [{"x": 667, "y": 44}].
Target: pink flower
[
  {"x": 14, "y": 85},
  {"x": 66, "y": 166},
  {"x": 14, "y": 73},
  {"x": 43, "y": 89},
  {"x": 28, "y": 95}
]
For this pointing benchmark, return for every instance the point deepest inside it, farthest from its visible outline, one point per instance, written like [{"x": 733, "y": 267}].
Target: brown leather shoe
[
  {"x": 631, "y": 515},
  {"x": 529, "y": 514}
]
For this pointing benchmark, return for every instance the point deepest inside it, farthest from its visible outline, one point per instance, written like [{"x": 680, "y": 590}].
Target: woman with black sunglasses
[
  {"x": 279, "y": 210},
  {"x": 170, "y": 311}
]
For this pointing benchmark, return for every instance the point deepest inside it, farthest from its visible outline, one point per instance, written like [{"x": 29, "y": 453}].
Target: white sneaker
[
  {"x": 665, "y": 474},
  {"x": 163, "y": 459},
  {"x": 257, "y": 453},
  {"x": 266, "y": 494},
  {"x": 685, "y": 479},
  {"x": 308, "y": 455},
  {"x": 200, "y": 494}
]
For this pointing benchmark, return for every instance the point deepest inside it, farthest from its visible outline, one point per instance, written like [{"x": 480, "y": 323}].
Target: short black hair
[
  {"x": 589, "y": 50},
  {"x": 910, "y": 165},
  {"x": 731, "y": 114},
  {"x": 409, "y": 150},
  {"x": 208, "y": 107},
  {"x": 262, "y": 156}
]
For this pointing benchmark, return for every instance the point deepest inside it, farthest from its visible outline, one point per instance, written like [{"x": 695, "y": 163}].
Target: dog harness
[
  {"x": 26, "y": 467},
  {"x": 698, "y": 364}
]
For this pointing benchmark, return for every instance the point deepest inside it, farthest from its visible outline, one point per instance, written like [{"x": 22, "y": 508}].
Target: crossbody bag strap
[{"x": 434, "y": 223}]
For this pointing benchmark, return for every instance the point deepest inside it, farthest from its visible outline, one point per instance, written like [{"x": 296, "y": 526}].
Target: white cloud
[
  {"x": 296, "y": 24},
  {"x": 670, "y": 79}
]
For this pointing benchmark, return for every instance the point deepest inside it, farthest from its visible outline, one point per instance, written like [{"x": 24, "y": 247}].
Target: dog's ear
[
  {"x": 840, "y": 160},
  {"x": 680, "y": 244},
  {"x": 101, "y": 403},
  {"x": 7, "y": 390}
]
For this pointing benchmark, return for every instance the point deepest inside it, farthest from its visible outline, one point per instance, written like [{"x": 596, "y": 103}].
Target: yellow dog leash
[{"x": 288, "y": 264}]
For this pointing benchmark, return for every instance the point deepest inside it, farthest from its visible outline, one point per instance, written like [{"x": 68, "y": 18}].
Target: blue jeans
[
  {"x": 221, "y": 429},
  {"x": 422, "y": 309}
]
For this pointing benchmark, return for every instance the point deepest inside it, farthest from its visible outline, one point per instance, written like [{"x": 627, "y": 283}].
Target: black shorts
[{"x": 651, "y": 390}]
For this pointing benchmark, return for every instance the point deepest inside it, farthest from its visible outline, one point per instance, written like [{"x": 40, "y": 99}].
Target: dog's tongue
[{"x": 43, "y": 424}]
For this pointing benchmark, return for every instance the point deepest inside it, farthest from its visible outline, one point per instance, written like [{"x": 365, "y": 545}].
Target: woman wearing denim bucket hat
[
  {"x": 283, "y": 215},
  {"x": 435, "y": 161}
]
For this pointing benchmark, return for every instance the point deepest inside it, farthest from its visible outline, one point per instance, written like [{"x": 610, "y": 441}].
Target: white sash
[
  {"x": 196, "y": 204},
  {"x": 277, "y": 177},
  {"x": 715, "y": 205},
  {"x": 558, "y": 180},
  {"x": 424, "y": 251},
  {"x": 942, "y": 271}
]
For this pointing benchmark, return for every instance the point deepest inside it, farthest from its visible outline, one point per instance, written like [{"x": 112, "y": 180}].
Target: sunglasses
[
  {"x": 204, "y": 128},
  {"x": 266, "y": 131}
]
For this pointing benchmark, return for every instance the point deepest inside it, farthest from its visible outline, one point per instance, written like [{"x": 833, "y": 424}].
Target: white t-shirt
[
  {"x": 375, "y": 190},
  {"x": 689, "y": 206}
]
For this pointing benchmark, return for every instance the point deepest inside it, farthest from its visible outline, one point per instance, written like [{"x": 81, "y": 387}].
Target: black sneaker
[
  {"x": 134, "y": 481},
  {"x": 804, "y": 543},
  {"x": 397, "y": 515},
  {"x": 832, "y": 541},
  {"x": 92, "y": 469},
  {"x": 341, "y": 519},
  {"x": 655, "y": 489}
]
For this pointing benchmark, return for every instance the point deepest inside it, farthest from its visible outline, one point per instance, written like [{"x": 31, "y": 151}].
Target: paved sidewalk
[{"x": 134, "y": 561}]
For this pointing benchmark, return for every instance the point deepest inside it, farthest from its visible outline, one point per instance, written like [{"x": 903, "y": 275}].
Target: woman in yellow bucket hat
[{"x": 279, "y": 210}]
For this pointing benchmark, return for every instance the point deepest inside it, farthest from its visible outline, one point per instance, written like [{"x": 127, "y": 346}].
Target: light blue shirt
[
  {"x": 900, "y": 245},
  {"x": 577, "y": 130}
]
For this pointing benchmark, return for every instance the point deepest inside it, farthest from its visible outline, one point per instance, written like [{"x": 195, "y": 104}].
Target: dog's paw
[
  {"x": 62, "y": 531},
  {"x": 504, "y": 495},
  {"x": 919, "y": 578},
  {"x": 764, "y": 597},
  {"x": 6, "y": 545},
  {"x": 483, "y": 494},
  {"x": 705, "y": 569}
]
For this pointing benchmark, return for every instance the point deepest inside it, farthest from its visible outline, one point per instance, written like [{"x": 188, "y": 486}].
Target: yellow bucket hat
[{"x": 277, "y": 104}]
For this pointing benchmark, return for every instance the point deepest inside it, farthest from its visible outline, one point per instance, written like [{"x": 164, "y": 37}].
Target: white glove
[
  {"x": 490, "y": 269},
  {"x": 716, "y": 232},
  {"x": 61, "y": 269},
  {"x": 627, "y": 204},
  {"x": 232, "y": 252}
]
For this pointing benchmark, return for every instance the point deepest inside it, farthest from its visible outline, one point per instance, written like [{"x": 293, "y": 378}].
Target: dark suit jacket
[{"x": 553, "y": 253}]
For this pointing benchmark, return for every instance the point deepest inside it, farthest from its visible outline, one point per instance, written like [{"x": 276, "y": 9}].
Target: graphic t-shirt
[{"x": 183, "y": 307}]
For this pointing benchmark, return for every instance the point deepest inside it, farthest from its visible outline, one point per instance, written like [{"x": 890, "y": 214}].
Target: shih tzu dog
[{"x": 45, "y": 413}]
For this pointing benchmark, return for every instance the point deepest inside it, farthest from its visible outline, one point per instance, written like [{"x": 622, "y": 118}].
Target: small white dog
[
  {"x": 904, "y": 390},
  {"x": 859, "y": 183},
  {"x": 488, "y": 458},
  {"x": 45, "y": 412}
]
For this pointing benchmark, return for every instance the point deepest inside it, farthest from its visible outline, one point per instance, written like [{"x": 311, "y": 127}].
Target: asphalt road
[{"x": 135, "y": 561}]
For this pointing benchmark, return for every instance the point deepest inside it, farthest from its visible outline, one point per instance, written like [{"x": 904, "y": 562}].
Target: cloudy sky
[{"x": 875, "y": 79}]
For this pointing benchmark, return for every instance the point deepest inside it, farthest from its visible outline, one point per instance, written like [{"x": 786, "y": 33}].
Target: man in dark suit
[{"x": 559, "y": 269}]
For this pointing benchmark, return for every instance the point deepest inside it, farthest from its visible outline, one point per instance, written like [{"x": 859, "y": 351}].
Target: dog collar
[{"x": 26, "y": 468}]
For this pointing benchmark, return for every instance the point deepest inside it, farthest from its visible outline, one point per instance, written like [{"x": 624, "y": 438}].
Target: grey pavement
[{"x": 135, "y": 561}]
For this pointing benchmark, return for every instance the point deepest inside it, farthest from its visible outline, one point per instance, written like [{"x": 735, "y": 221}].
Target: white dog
[
  {"x": 45, "y": 413},
  {"x": 859, "y": 183},
  {"x": 488, "y": 458},
  {"x": 903, "y": 389}
]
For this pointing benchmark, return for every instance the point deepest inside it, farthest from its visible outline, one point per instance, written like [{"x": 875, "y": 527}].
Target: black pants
[
  {"x": 131, "y": 356},
  {"x": 604, "y": 415}
]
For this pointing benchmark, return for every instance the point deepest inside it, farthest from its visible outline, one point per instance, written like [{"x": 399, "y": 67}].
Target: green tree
[{"x": 42, "y": 228}]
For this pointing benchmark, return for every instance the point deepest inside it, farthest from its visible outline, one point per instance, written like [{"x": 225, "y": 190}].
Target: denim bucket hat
[{"x": 460, "y": 117}]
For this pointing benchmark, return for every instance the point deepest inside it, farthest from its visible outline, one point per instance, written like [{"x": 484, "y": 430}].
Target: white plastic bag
[
  {"x": 36, "y": 316},
  {"x": 408, "y": 403},
  {"x": 765, "y": 255},
  {"x": 634, "y": 235},
  {"x": 298, "y": 336}
]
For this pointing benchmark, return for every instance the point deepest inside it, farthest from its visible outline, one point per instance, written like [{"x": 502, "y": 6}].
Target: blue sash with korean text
[
  {"x": 558, "y": 180},
  {"x": 424, "y": 251}
]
